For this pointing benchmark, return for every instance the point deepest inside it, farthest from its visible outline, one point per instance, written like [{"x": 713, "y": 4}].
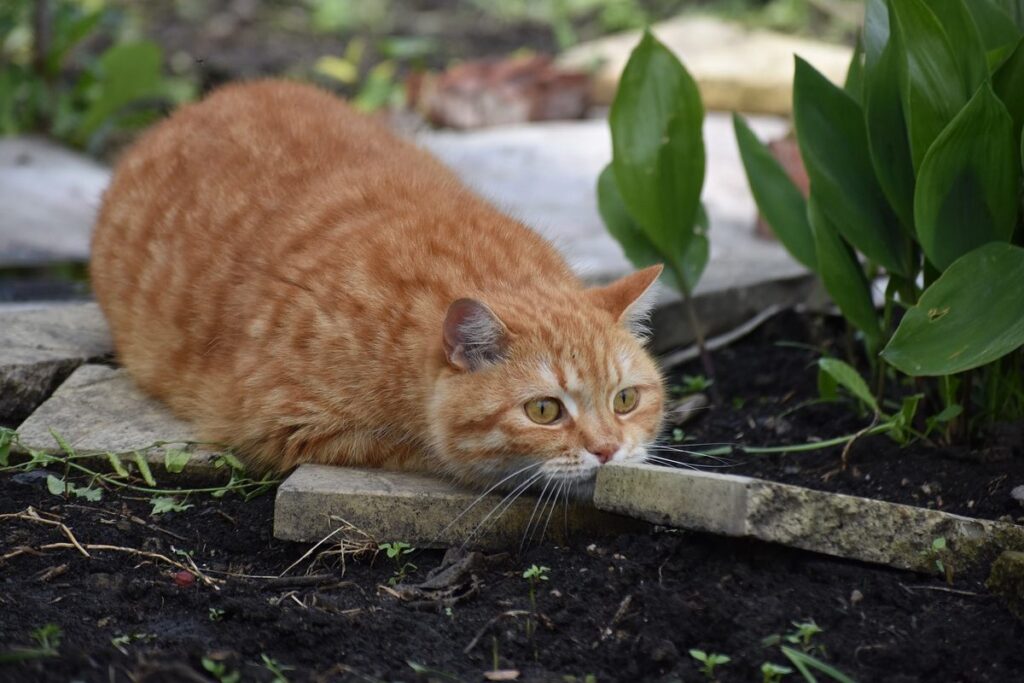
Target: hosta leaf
[
  {"x": 842, "y": 274},
  {"x": 960, "y": 27},
  {"x": 854, "y": 83},
  {"x": 1014, "y": 9},
  {"x": 968, "y": 183},
  {"x": 933, "y": 80},
  {"x": 833, "y": 142},
  {"x": 658, "y": 145},
  {"x": 887, "y": 133},
  {"x": 847, "y": 377},
  {"x": 127, "y": 72},
  {"x": 778, "y": 199},
  {"x": 972, "y": 315},
  {"x": 1008, "y": 82},
  {"x": 995, "y": 26},
  {"x": 876, "y": 31}
]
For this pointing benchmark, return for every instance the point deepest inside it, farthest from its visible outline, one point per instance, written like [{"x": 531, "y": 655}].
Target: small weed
[
  {"x": 216, "y": 614},
  {"x": 162, "y": 504},
  {"x": 534, "y": 574},
  {"x": 47, "y": 639},
  {"x": 709, "y": 662},
  {"x": 220, "y": 671},
  {"x": 275, "y": 668},
  {"x": 943, "y": 557},
  {"x": 691, "y": 384},
  {"x": 120, "y": 642},
  {"x": 805, "y": 662},
  {"x": 396, "y": 550},
  {"x": 773, "y": 673},
  {"x": 805, "y": 631},
  {"x": 678, "y": 435}
]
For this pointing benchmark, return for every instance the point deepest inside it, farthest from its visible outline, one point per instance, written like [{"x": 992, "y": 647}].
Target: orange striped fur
[{"x": 279, "y": 269}]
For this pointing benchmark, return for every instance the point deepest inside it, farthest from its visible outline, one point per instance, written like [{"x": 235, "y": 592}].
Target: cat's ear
[
  {"x": 630, "y": 299},
  {"x": 473, "y": 335}
]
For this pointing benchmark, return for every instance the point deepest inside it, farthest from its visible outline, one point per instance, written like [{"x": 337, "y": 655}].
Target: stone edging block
[
  {"x": 317, "y": 500},
  {"x": 834, "y": 524}
]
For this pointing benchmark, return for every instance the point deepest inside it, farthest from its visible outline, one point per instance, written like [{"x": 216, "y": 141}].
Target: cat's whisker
[
  {"x": 503, "y": 505},
  {"x": 483, "y": 495},
  {"x": 554, "y": 504},
  {"x": 529, "y": 524},
  {"x": 667, "y": 462}
]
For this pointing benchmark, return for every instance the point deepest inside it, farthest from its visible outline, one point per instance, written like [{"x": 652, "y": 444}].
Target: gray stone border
[{"x": 834, "y": 524}]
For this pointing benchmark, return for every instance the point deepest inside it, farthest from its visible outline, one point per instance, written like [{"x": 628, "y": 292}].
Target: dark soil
[
  {"x": 622, "y": 610},
  {"x": 766, "y": 379}
]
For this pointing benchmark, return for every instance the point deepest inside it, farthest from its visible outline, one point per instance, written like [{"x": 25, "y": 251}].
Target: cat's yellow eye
[
  {"x": 544, "y": 411},
  {"x": 626, "y": 400}
]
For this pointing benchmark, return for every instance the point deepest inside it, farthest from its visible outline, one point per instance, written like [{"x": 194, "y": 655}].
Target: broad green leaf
[
  {"x": 175, "y": 460},
  {"x": 876, "y": 31},
  {"x": 933, "y": 79},
  {"x": 637, "y": 248},
  {"x": 960, "y": 27},
  {"x": 117, "y": 464},
  {"x": 693, "y": 262},
  {"x": 995, "y": 26},
  {"x": 827, "y": 386},
  {"x": 1014, "y": 9},
  {"x": 144, "y": 471},
  {"x": 854, "y": 83},
  {"x": 778, "y": 199},
  {"x": 968, "y": 183},
  {"x": 887, "y": 133},
  {"x": 848, "y": 378},
  {"x": 903, "y": 421},
  {"x": 126, "y": 72},
  {"x": 87, "y": 493},
  {"x": 834, "y": 145},
  {"x": 1008, "y": 82},
  {"x": 658, "y": 146},
  {"x": 56, "y": 485},
  {"x": 972, "y": 315},
  {"x": 842, "y": 274}
]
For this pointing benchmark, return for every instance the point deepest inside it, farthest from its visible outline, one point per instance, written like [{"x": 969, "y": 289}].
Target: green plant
[
  {"x": 940, "y": 552},
  {"x": 125, "y": 471},
  {"x": 691, "y": 384},
  {"x": 915, "y": 177},
  {"x": 216, "y": 614},
  {"x": 649, "y": 195},
  {"x": 275, "y": 668},
  {"x": 47, "y": 644},
  {"x": 709, "y": 662},
  {"x": 804, "y": 633},
  {"x": 396, "y": 550},
  {"x": 220, "y": 671},
  {"x": 48, "y": 84},
  {"x": 534, "y": 574},
  {"x": 804, "y": 662},
  {"x": 773, "y": 673}
]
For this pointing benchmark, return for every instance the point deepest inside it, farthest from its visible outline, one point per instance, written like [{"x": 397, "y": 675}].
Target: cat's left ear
[
  {"x": 629, "y": 299},
  {"x": 474, "y": 336}
]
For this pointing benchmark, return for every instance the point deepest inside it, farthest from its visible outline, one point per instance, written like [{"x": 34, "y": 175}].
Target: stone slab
[
  {"x": 48, "y": 201},
  {"x": 99, "y": 409},
  {"x": 317, "y": 500},
  {"x": 736, "y": 68},
  {"x": 833, "y": 524},
  {"x": 40, "y": 348}
]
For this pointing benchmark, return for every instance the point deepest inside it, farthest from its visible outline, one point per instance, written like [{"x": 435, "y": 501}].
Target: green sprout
[
  {"x": 534, "y": 574},
  {"x": 396, "y": 550},
  {"x": 805, "y": 631},
  {"x": 942, "y": 555},
  {"x": 220, "y": 671},
  {"x": 773, "y": 673},
  {"x": 216, "y": 614},
  {"x": 276, "y": 668},
  {"x": 709, "y": 662}
]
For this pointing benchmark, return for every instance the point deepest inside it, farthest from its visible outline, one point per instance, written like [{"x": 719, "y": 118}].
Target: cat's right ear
[{"x": 473, "y": 335}]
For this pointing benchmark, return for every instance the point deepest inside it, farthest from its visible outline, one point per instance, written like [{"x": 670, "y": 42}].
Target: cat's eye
[
  {"x": 543, "y": 411},
  {"x": 626, "y": 400}
]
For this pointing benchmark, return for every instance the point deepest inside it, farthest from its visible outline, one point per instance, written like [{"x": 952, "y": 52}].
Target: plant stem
[
  {"x": 698, "y": 332},
  {"x": 816, "y": 445}
]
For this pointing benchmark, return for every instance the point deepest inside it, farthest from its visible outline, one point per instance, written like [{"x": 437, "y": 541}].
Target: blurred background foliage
[{"x": 90, "y": 72}]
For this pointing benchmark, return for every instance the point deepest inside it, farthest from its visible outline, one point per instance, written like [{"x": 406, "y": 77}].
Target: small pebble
[
  {"x": 1017, "y": 493},
  {"x": 856, "y": 596}
]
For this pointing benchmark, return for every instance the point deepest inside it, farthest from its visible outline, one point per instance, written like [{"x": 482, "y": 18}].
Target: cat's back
[{"x": 247, "y": 232}]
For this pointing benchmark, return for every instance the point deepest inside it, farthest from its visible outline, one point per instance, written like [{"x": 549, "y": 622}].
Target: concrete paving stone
[
  {"x": 736, "y": 68},
  {"x": 834, "y": 524},
  {"x": 49, "y": 196},
  {"x": 1006, "y": 580},
  {"x": 40, "y": 348},
  {"x": 99, "y": 409},
  {"x": 317, "y": 500}
]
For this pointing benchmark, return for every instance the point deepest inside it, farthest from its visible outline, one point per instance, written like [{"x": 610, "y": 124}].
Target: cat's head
[{"x": 547, "y": 391}]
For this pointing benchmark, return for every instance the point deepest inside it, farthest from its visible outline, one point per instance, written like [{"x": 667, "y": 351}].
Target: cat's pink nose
[{"x": 604, "y": 452}]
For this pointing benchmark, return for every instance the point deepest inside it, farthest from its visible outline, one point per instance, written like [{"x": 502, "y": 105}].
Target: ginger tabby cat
[{"x": 306, "y": 287}]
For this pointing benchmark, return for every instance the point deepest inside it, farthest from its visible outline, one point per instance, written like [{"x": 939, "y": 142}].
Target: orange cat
[{"x": 307, "y": 287}]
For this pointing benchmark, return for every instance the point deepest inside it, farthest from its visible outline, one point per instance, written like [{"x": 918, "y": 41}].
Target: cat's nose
[{"x": 604, "y": 452}]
